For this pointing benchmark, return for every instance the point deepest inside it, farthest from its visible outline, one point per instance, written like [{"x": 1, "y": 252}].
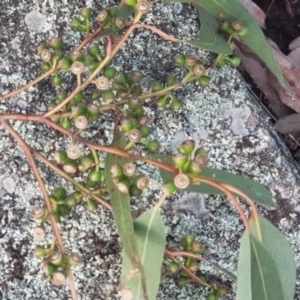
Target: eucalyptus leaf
[
  {"x": 208, "y": 36},
  {"x": 151, "y": 242},
  {"x": 122, "y": 211},
  {"x": 233, "y": 10},
  {"x": 251, "y": 188},
  {"x": 266, "y": 267}
]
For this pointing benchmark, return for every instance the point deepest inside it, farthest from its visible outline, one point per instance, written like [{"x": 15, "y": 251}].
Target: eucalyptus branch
[
  {"x": 40, "y": 181},
  {"x": 28, "y": 85},
  {"x": 86, "y": 191},
  {"x": 191, "y": 274}
]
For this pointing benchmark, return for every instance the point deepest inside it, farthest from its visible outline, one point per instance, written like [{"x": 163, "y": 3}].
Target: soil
[{"x": 282, "y": 22}]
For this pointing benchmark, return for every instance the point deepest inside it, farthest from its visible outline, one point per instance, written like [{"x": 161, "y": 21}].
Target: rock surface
[{"x": 237, "y": 134}]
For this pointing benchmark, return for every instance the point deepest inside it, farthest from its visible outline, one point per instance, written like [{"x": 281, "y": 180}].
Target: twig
[{"x": 28, "y": 85}]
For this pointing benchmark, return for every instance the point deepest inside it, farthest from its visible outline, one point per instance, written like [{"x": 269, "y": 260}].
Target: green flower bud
[
  {"x": 76, "y": 24},
  {"x": 176, "y": 104},
  {"x": 58, "y": 278},
  {"x": 60, "y": 156},
  {"x": 70, "y": 166},
  {"x": 66, "y": 123},
  {"x": 116, "y": 171},
  {"x": 95, "y": 175},
  {"x": 135, "y": 191},
  {"x": 234, "y": 60},
  {"x": 182, "y": 280},
  {"x": 56, "y": 259},
  {"x": 103, "y": 17},
  {"x": 74, "y": 259},
  {"x": 131, "y": 2},
  {"x": 40, "y": 48},
  {"x": 108, "y": 96},
  {"x": 190, "y": 61},
  {"x": 62, "y": 210},
  {"x": 211, "y": 296},
  {"x": 40, "y": 251},
  {"x": 95, "y": 52},
  {"x": 93, "y": 113},
  {"x": 225, "y": 27},
  {"x": 145, "y": 130},
  {"x": 79, "y": 110},
  {"x": 77, "y": 98},
  {"x": 204, "y": 80},
  {"x": 170, "y": 80},
  {"x": 109, "y": 72},
  {"x": 95, "y": 94},
  {"x": 117, "y": 86},
  {"x": 73, "y": 199},
  {"x": 127, "y": 125},
  {"x": 77, "y": 56},
  {"x": 187, "y": 241},
  {"x": 221, "y": 62},
  {"x": 45, "y": 66},
  {"x": 123, "y": 93},
  {"x": 169, "y": 188},
  {"x": 193, "y": 168},
  {"x": 91, "y": 184},
  {"x": 186, "y": 147},
  {"x": 39, "y": 213},
  {"x": 49, "y": 268},
  {"x": 56, "y": 44},
  {"x": 85, "y": 162},
  {"x": 122, "y": 184},
  {"x": 61, "y": 96},
  {"x": 113, "y": 11},
  {"x": 91, "y": 204},
  {"x": 193, "y": 265},
  {"x": 180, "y": 60},
  {"x": 136, "y": 77},
  {"x": 156, "y": 86},
  {"x": 65, "y": 63},
  {"x": 179, "y": 160},
  {"x": 56, "y": 79},
  {"x": 173, "y": 267},
  {"x": 59, "y": 193},
  {"x": 201, "y": 157},
  {"x": 121, "y": 78},
  {"x": 86, "y": 13},
  {"x": 162, "y": 101},
  {"x": 152, "y": 146},
  {"x": 221, "y": 291},
  {"x": 137, "y": 91}
]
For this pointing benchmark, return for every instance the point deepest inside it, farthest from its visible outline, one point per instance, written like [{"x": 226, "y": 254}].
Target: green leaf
[
  {"x": 251, "y": 188},
  {"x": 151, "y": 242},
  {"x": 234, "y": 10},
  {"x": 121, "y": 208},
  {"x": 208, "y": 37},
  {"x": 266, "y": 267}
]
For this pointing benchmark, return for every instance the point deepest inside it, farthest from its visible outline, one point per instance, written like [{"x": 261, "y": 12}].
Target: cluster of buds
[
  {"x": 189, "y": 162},
  {"x": 136, "y": 128},
  {"x": 236, "y": 28},
  {"x": 127, "y": 181},
  {"x": 82, "y": 23},
  {"x": 56, "y": 264},
  {"x": 194, "y": 66},
  {"x": 167, "y": 99},
  {"x": 81, "y": 110},
  {"x": 61, "y": 204},
  {"x": 112, "y": 18},
  {"x": 127, "y": 85}
]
